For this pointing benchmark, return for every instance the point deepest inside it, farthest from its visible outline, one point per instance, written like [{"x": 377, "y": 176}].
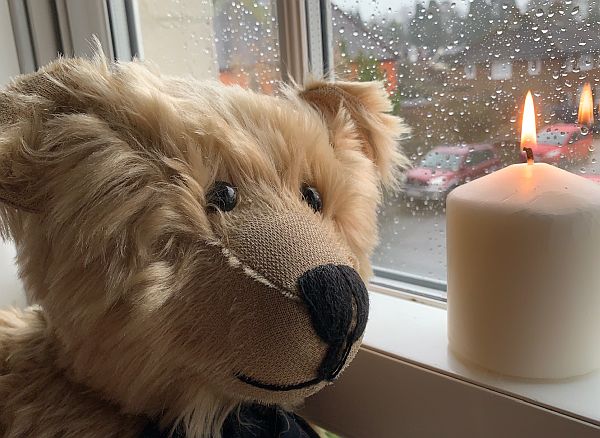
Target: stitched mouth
[
  {"x": 276, "y": 387},
  {"x": 236, "y": 263}
]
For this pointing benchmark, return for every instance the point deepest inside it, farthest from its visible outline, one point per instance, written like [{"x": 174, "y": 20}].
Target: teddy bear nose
[{"x": 338, "y": 305}]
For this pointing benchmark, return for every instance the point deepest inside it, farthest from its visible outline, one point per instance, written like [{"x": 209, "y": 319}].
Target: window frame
[
  {"x": 501, "y": 70},
  {"x": 537, "y": 67},
  {"x": 404, "y": 382},
  {"x": 585, "y": 62},
  {"x": 470, "y": 72}
]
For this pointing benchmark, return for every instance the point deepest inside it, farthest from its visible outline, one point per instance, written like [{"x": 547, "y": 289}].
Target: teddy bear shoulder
[{"x": 33, "y": 387}]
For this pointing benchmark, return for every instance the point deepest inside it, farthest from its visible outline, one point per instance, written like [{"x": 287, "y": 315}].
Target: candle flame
[
  {"x": 528, "y": 129},
  {"x": 586, "y": 106}
]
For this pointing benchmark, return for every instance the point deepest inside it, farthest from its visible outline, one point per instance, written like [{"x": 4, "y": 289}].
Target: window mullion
[{"x": 293, "y": 42}]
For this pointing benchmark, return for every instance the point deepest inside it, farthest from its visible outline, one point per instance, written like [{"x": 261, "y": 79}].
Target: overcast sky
[{"x": 395, "y": 8}]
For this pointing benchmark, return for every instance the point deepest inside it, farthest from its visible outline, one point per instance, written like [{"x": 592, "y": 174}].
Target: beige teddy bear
[{"x": 191, "y": 249}]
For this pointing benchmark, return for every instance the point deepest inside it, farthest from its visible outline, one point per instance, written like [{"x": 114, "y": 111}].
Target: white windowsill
[{"x": 416, "y": 333}]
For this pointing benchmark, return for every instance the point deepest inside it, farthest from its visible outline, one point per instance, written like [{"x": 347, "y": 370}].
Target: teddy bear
[{"x": 195, "y": 254}]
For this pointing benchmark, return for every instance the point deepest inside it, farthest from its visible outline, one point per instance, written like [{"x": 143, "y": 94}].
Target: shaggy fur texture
[{"x": 149, "y": 303}]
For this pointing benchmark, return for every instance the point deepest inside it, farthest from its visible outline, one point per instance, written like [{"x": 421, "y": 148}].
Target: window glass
[
  {"x": 501, "y": 70},
  {"x": 441, "y": 160},
  {"x": 478, "y": 157},
  {"x": 470, "y": 72},
  {"x": 534, "y": 67},
  {"x": 458, "y": 73},
  {"x": 178, "y": 36},
  {"x": 247, "y": 43},
  {"x": 552, "y": 137},
  {"x": 233, "y": 41}
]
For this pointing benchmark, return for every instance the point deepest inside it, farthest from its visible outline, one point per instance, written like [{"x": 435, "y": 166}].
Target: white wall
[
  {"x": 177, "y": 36},
  {"x": 11, "y": 290},
  {"x": 9, "y": 64}
]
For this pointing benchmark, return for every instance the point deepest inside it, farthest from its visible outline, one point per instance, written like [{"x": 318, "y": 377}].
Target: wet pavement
[{"x": 413, "y": 237}]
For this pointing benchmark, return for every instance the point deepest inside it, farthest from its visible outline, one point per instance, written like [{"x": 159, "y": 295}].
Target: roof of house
[{"x": 532, "y": 42}]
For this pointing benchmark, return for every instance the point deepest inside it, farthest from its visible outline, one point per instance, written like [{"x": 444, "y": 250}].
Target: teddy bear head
[{"x": 194, "y": 245}]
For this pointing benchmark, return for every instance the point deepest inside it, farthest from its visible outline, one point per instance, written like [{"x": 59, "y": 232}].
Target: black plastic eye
[
  {"x": 312, "y": 197},
  {"x": 222, "y": 196}
]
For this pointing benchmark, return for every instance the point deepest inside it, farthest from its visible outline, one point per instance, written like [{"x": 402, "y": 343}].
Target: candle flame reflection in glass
[
  {"x": 585, "y": 116},
  {"x": 528, "y": 129}
]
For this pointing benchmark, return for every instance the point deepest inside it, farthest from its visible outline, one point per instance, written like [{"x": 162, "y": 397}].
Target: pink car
[
  {"x": 562, "y": 144},
  {"x": 446, "y": 167}
]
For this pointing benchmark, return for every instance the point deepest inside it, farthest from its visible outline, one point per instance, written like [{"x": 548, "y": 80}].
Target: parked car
[
  {"x": 561, "y": 144},
  {"x": 446, "y": 167}
]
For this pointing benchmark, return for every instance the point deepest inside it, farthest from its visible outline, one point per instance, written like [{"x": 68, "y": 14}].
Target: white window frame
[
  {"x": 471, "y": 72},
  {"x": 397, "y": 385},
  {"x": 501, "y": 70},
  {"x": 534, "y": 67},
  {"x": 569, "y": 65},
  {"x": 8, "y": 48},
  {"x": 583, "y": 65}
]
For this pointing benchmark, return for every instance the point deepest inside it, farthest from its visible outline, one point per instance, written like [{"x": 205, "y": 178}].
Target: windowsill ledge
[{"x": 416, "y": 333}]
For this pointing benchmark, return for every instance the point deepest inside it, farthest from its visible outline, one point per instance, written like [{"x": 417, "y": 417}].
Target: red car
[
  {"x": 446, "y": 167},
  {"x": 562, "y": 144}
]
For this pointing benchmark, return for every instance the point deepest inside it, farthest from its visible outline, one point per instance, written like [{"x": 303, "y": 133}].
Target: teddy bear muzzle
[
  {"x": 304, "y": 305},
  {"x": 336, "y": 300}
]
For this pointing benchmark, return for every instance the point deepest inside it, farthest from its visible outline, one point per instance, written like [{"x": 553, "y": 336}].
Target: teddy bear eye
[
  {"x": 312, "y": 198},
  {"x": 222, "y": 196}
]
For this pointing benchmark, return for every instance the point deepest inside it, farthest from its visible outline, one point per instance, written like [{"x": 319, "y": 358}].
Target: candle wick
[{"x": 529, "y": 153}]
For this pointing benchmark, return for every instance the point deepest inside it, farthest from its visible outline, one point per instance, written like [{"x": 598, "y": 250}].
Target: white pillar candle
[{"x": 524, "y": 272}]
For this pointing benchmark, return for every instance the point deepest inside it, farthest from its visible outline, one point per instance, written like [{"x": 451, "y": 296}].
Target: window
[
  {"x": 525, "y": 45},
  {"x": 534, "y": 67},
  {"x": 470, "y": 72},
  {"x": 428, "y": 54},
  {"x": 9, "y": 65},
  {"x": 552, "y": 137},
  {"x": 501, "y": 70},
  {"x": 586, "y": 62},
  {"x": 178, "y": 36},
  {"x": 233, "y": 41},
  {"x": 569, "y": 65}
]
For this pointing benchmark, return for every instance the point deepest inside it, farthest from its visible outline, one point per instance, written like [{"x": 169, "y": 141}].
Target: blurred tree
[
  {"x": 450, "y": 23},
  {"x": 593, "y": 11},
  {"x": 417, "y": 25},
  {"x": 477, "y": 22},
  {"x": 433, "y": 34},
  {"x": 506, "y": 13},
  {"x": 368, "y": 69}
]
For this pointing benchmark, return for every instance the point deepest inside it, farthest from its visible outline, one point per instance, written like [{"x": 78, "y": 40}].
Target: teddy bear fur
[{"x": 147, "y": 301}]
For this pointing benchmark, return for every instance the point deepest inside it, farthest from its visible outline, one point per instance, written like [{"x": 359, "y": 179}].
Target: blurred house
[{"x": 549, "y": 58}]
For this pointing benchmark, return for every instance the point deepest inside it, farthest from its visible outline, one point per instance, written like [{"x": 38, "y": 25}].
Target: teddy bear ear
[
  {"x": 25, "y": 103},
  {"x": 17, "y": 120},
  {"x": 367, "y": 106}
]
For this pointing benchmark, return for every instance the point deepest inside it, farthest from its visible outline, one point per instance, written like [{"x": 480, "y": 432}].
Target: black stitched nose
[{"x": 338, "y": 305}]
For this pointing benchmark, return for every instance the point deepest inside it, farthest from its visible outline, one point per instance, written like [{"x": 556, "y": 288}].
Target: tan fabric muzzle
[{"x": 309, "y": 306}]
